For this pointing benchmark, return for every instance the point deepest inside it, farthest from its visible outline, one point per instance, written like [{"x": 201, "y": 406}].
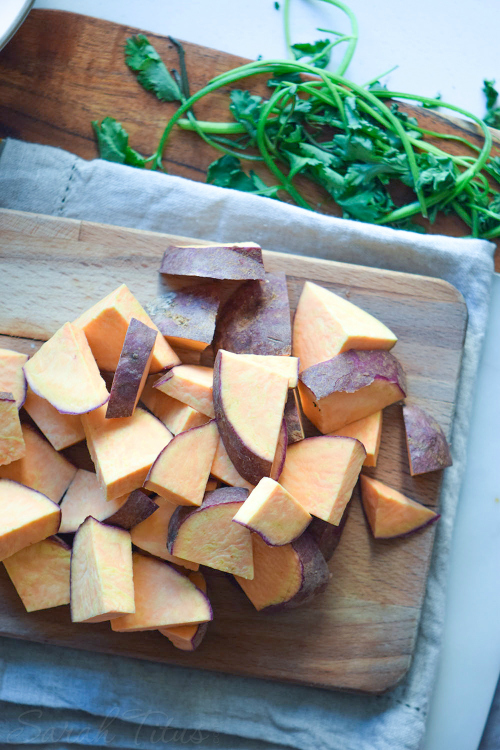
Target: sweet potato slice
[
  {"x": 240, "y": 260},
  {"x": 187, "y": 317},
  {"x": 326, "y": 535},
  {"x": 287, "y": 366},
  {"x": 285, "y": 577},
  {"x": 427, "y": 446},
  {"x": 123, "y": 450},
  {"x": 105, "y": 326},
  {"x": 175, "y": 415},
  {"x": 390, "y": 513},
  {"x": 349, "y": 387},
  {"x": 180, "y": 473},
  {"x": 137, "y": 507},
  {"x": 102, "y": 586},
  {"x": 249, "y": 401},
  {"x": 151, "y": 535},
  {"x": 256, "y": 319},
  {"x": 41, "y": 468},
  {"x": 208, "y": 536},
  {"x": 223, "y": 469},
  {"x": 26, "y": 517},
  {"x": 85, "y": 497},
  {"x": 163, "y": 598},
  {"x": 64, "y": 372},
  {"x": 293, "y": 418},
  {"x": 132, "y": 369},
  {"x": 12, "y": 379},
  {"x": 40, "y": 574},
  {"x": 369, "y": 432},
  {"x": 273, "y": 513},
  {"x": 212, "y": 484},
  {"x": 190, "y": 384},
  {"x": 320, "y": 472},
  {"x": 326, "y": 324},
  {"x": 189, "y": 637},
  {"x": 61, "y": 430},
  {"x": 12, "y": 446}
]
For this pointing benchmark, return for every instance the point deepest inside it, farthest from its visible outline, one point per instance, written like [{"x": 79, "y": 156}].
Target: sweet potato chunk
[
  {"x": 61, "y": 430},
  {"x": 12, "y": 379},
  {"x": 102, "y": 585},
  {"x": 326, "y": 324},
  {"x": 41, "y": 468},
  {"x": 320, "y": 472},
  {"x": 326, "y": 535},
  {"x": 349, "y": 387},
  {"x": 240, "y": 260},
  {"x": 137, "y": 507},
  {"x": 208, "y": 536},
  {"x": 26, "y": 517},
  {"x": 427, "y": 447},
  {"x": 132, "y": 369},
  {"x": 64, "y": 372},
  {"x": 285, "y": 577},
  {"x": 188, "y": 637},
  {"x": 249, "y": 402},
  {"x": 151, "y": 535},
  {"x": 105, "y": 326},
  {"x": 273, "y": 513},
  {"x": 190, "y": 384},
  {"x": 256, "y": 319},
  {"x": 368, "y": 431},
  {"x": 163, "y": 598},
  {"x": 223, "y": 469},
  {"x": 293, "y": 418},
  {"x": 187, "y": 317},
  {"x": 180, "y": 473},
  {"x": 286, "y": 366},
  {"x": 390, "y": 513},
  {"x": 175, "y": 415},
  {"x": 123, "y": 450},
  {"x": 85, "y": 497},
  {"x": 40, "y": 574},
  {"x": 12, "y": 445}
]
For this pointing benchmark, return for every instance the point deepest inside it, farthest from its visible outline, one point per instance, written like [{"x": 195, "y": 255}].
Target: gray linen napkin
[{"x": 64, "y": 688}]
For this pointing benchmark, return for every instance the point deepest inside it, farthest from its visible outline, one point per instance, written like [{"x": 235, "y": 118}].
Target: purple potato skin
[
  {"x": 280, "y": 455},
  {"x": 7, "y": 396},
  {"x": 256, "y": 319},
  {"x": 428, "y": 448},
  {"x": 293, "y": 418},
  {"x": 134, "y": 358},
  {"x": 239, "y": 261},
  {"x": 188, "y": 313},
  {"x": 136, "y": 509},
  {"x": 326, "y": 535}
]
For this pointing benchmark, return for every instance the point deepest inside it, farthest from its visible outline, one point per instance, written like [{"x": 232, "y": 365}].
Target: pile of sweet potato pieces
[{"x": 199, "y": 464}]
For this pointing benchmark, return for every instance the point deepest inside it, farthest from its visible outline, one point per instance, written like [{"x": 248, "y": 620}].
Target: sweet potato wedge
[
  {"x": 293, "y": 418},
  {"x": 369, "y": 432},
  {"x": 137, "y": 508},
  {"x": 287, "y": 366},
  {"x": 188, "y": 637},
  {"x": 427, "y": 446},
  {"x": 187, "y": 317},
  {"x": 240, "y": 260},
  {"x": 85, "y": 497},
  {"x": 26, "y": 517},
  {"x": 12, "y": 379},
  {"x": 175, "y": 415},
  {"x": 326, "y": 535},
  {"x": 151, "y": 535},
  {"x": 12, "y": 446},
  {"x": 61, "y": 430},
  {"x": 223, "y": 469},
  {"x": 190, "y": 384},
  {"x": 390, "y": 513},
  {"x": 132, "y": 369},
  {"x": 40, "y": 574}
]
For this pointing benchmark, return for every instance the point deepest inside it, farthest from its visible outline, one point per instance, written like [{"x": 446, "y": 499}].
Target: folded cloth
[{"x": 80, "y": 690}]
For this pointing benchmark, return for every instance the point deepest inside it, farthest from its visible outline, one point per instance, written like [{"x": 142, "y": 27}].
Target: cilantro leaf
[
  {"x": 152, "y": 74},
  {"x": 310, "y": 50},
  {"x": 439, "y": 173},
  {"x": 227, "y": 172},
  {"x": 112, "y": 140},
  {"x": 281, "y": 78},
  {"x": 245, "y": 108},
  {"x": 492, "y": 117}
]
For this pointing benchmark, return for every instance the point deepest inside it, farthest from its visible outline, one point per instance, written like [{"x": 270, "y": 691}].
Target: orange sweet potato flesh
[
  {"x": 287, "y": 366},
  {"x": 190, "y": 384},
  {"x": 175, "y": 415},
  {"x": 105, "y": 326},
  {"x": 390, "y": 513},
  {"x": 102, "y": 585},
  {"x": 132, "y": 369},
  {"x": 188, "y": 637},
  {"x": 320, "y": 472},
  {"x": 326, "y": 324},
  {"x": 151, "y": 535},
  {"x": 223, "y": 469},
  {"x": 12, "y": 446},
  {"x": 369, "y": 432},
  {"x": 163, "y": 598},
  {"x": 180, "y": 473},
  {"x": 85, "y": 497},
  {"x": 123, "y": 450},
  {"x": 26, "y": 517},
  {"x": 12, "y": 379},
  {"x": 41, "y": 468},
  {"x": 40, "y": 574},
  {"x": 61, "y": 430}
]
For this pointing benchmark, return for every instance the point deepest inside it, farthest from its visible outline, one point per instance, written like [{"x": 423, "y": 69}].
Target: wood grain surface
[
  {"x": 62, "y": 70},
  {"x": 359, "y": 634}
]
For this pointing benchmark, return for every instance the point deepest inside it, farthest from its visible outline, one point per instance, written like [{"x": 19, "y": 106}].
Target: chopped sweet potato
[
  {"x": 188, "y": 637},
  {"x": 273, "y": 513},
  {"x": 285, "y": 577},
  {"x": 163, "y": 598},
  {"x": 105, "y": 326},
  {"x": 137, "y": 507},
  {"x": 427, "y": 446},
  {"x": 293, "y": 418},
  {"x": 249, "y": 401},
  {"x": 212, "y": 484},
  {"x": 186, "y": 317},
  {"x": 326, "y": 324},
  {"x": 26, "y": 517},
  {"x": 123, "y": 450},
  {"x": 85, "y": 497},
  {"x": 287, "y": 366},
  {"x": 223, "y": 469},
  {"x": 132, "y": 369},
  {"x": 369, "y": 432},
  {"x": 102, "y": 586},
  {"x": 240, "y": 260},
  {"x": 12, "y": 446},
  {"x": 390, "y": 513},
  {"x": 326, "y": 535},
  {"x": 41, "y": 468},
  {"x": 12, "y": 379},
  {"x": 40, "y": 574},
  {"x": 349, "y": 387},
  {"x": 180, "y": 473},
  {"x": 208, "y": 536},
  {"x": 280, "y": 455},
  {"x": 175, "y": 415},
  {"x": 190, "y": 384},
  {"x": 61, "y": 430},
  {"x": 64, "y": 372},
  {"x": 320, "y": 472},
  {"x": 151, "y": 535}
]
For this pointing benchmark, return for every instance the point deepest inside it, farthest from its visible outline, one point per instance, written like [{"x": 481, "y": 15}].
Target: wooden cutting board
[
  {"x": 359, "y": 634},
  {"x": 62, "y": 70}
]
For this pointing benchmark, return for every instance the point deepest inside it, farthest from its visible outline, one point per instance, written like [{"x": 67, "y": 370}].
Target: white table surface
[{"x": 440, "y": 46}]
